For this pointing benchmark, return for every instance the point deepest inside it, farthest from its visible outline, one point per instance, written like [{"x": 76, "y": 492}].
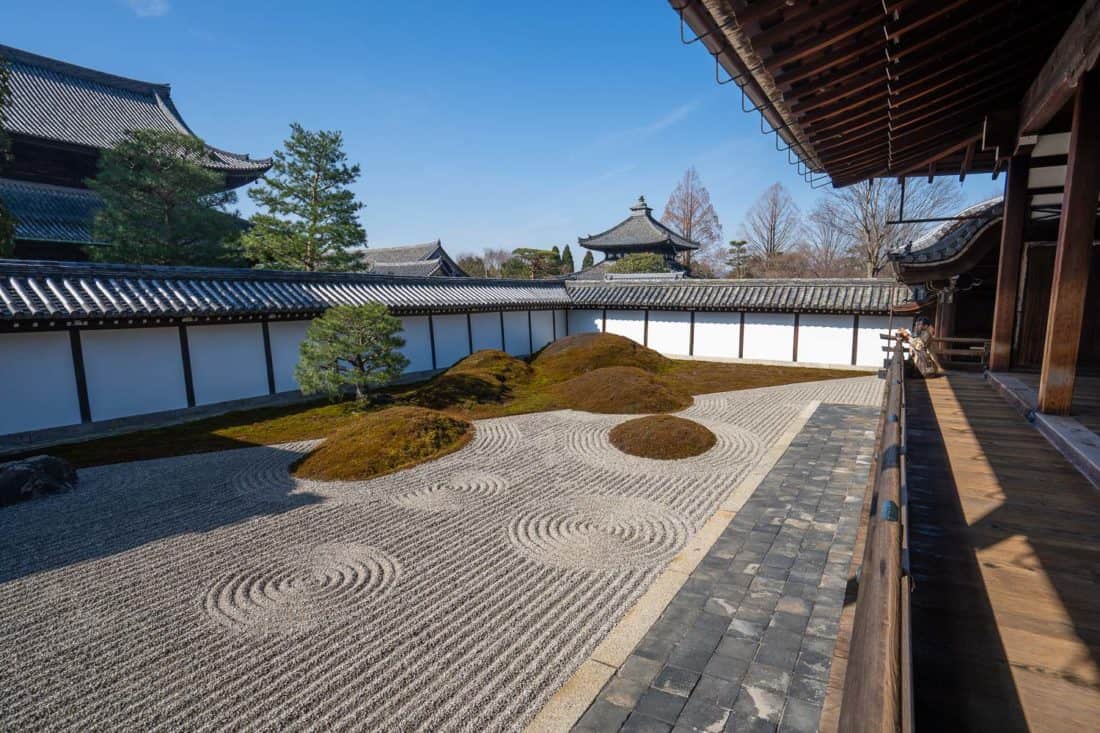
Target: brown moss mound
[
  {"x": 620, "y": 391},
  {"x": 574, "y": 355},
  {"x": 383, "y": 442},
  {"x": 484, "y": 377},
  {"x": 664, "y": 437}
]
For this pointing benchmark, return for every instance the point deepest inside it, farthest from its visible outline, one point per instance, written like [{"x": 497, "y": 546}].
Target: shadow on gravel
[{"x": 122, "y": 507}]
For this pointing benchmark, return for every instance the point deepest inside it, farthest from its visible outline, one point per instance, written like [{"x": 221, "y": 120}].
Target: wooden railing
[
  {"x": 878, "y": 683},
  {"x": 951, "y": 348}
]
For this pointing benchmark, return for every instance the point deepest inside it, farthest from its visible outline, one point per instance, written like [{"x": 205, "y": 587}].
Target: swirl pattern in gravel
[
  {"x": 453, "y": 495},
  {"x": 296, "y": 594}
]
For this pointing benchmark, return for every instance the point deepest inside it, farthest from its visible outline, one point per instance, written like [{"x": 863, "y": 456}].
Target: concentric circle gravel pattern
[
  {"x": 214, "y": 591},
  {"x": 599, "y": 533},
  {"x": 297, "y": 593}
]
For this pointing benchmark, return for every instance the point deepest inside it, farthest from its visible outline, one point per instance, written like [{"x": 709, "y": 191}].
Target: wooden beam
[
  {"x": 1055, "y": 84},
  {"x": 79, "y": 375},
  {"x": 188, "y": 378},
  {"x": 268, "y": 361},
  {"x": 968, "y": 160},
  {"x": 1008, "y": 266},
  {"x": 431, "y": 339},
  {"x": 1071, "y": 262}
]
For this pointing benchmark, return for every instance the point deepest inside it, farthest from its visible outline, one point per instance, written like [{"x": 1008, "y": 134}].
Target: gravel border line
[{"x": 567, "y": 705}]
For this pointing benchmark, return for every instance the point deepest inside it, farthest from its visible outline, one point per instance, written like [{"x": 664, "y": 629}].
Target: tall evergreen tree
[
  {"x": 310, "y": 218},
  {"x": 588, "y": 261},
  {"x": 160, "y": 207},
  {"x": 7, "y": 221},
  {"x": 567, "y": 261}
]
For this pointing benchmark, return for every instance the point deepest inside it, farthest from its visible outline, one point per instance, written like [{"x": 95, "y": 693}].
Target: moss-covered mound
[
  {"x": 484, "y": 377},
  {"x": 384, "y": 441},
  {"x": 574, "y": 355},
  {"x": 620, "y": 391},
  {"x": 662, "y": 436}
]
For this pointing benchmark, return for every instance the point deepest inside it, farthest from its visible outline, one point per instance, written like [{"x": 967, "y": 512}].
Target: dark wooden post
[
  {"x": 1008, "y": 267},
  {"x": 267, "y": 358},
  {"x": 185, "y": 354},
  {"x": 794, "y": 354},
  {"x": 469, "y": 334},
  {"x": 80, "y": 376},
  {"x": 855, "y": 339},
  {"x": 645, "y": 329},
  {"x": 1071, "y": 261},
  {"x": 603, "y": 328},
  {"x": 530, "y": 334},
  {"x": 691, "y": 336},
  {"x": 431, "y": 339},
  {"x": 502, "y": 344},
  {"x": 741, "y": 338}
]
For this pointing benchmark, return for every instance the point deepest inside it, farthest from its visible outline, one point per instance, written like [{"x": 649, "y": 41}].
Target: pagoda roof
[
  {"x": 61, "y": 102},
  {"x": 49, "y": 213},
  {"x": 639, "y": 232}
]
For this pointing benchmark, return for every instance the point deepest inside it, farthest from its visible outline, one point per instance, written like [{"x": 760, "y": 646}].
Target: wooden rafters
[{"x": 873, "y": 87}]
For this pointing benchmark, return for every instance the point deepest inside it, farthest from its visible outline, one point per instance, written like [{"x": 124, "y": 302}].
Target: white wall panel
[
  {"x": 717, "y": 334},
  {"x": 286, "y": 340},
  {"x": 670, "y": 332},
  {"x": 133, "y": 371},
  {"x": 769, "y": 336},
  {"x": 37, "y": 384},
  {"x": 227, "y": 362},
  {"x": 486, "y": 327},
  {"x": 869, "y": 349},
  {"x": 452, "y": 339},
  {"x": 627, "y": 323},
  {"x": 542, "y": 328},
  {"x": 561, "y": 324},
  {"x": 517, "y": 340},
  {"x": 585, "y": 321},
  {"x": 824, "y": 338},
  {"x": 418, "y": 345}
]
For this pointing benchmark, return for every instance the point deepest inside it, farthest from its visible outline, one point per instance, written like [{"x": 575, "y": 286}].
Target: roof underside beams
[{"x": 865, "y": 88}]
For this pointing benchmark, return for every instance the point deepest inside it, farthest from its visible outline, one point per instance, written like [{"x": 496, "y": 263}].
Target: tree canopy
[
  {"x": 351, "y": 346},
  {"x": 567, "y": 265},
  {"x": 588, "y": 261},
  {"x": 161, "y": 207},
  {"x": 309, "y": 219},
  {"x": 690, "y": 213},
  {"x": 639, "y": 262}
]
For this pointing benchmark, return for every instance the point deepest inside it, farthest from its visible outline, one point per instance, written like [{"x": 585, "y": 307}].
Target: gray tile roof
[
  {"x": 951, "y": 237},
  {"x": 403, "y": 253},
  {"x": 50, "y": 213},
  {"x": 422, "y": 268},
  {"x": 638, "y": 232},
  {"x": 428, "y": 259},
  {"x": 62, "y": 102},
  {"x": 850, "y": 295},
  {"x": 67, "y": 290}
]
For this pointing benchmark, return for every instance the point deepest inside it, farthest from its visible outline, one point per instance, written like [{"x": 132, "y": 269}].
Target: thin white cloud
[
  {"x": 149, "y": 8},
  {"x": 633, "y": 135}
]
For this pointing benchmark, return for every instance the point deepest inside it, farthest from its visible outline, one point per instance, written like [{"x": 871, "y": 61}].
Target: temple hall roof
[
  {"x": 412, "y": 259},
  {"x": 951, "y": 237},
  {"x": 61, "y": 102},
  {"x": 50, "y": 213},
  {"x": 639, "y": 232}
]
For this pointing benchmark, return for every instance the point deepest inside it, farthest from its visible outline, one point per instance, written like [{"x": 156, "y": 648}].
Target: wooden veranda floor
[{"x": 1006, "y": 559}]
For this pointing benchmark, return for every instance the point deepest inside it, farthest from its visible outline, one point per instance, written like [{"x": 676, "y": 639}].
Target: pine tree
[
  {"x": 310, "y": 218},
  {"x": 588, "y": 261},
  {"x": 566, "y": 261},
  {"x": 160, "y": 207},
  {"x": 351, "y": 346}
]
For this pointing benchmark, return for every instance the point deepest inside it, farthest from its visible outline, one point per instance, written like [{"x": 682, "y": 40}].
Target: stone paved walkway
[{"x": 747, "y": 642}]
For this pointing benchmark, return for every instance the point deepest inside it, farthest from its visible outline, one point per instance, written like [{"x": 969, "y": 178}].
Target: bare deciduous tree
[
  {"x": 829, "y": 243},
  {"x": 864, "y": 208},
  {"x": 690, "y": 213},
  {"x": 493, "y": 259},
  {"x": 772, "y": 227}
]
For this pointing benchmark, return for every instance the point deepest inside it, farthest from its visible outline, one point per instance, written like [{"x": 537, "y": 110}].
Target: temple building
[
  {"x": 420, "y": 260},
  {"x": 639, "y": 233},
  {"x": 58, "y": 118}
]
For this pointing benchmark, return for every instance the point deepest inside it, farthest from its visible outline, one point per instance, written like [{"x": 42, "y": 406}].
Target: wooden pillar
[
  {"x": 268, "y": 362},
  {"x": 855, "y": 339},
  {"x": 185, "y": 354},
  {"x": 80, "y": 376},
  {"x": 1008, "y": 266},
  {"x": 691, "y": 336},
  {"x": 794, "y": 354},
  {"x": 469, "y": 334},
  {"x": 431, "y": 339},
  {"x": 1071, "y": 261}
]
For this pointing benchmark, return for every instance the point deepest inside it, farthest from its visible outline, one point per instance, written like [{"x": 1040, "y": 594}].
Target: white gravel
[{"x": 214, "y": 591}]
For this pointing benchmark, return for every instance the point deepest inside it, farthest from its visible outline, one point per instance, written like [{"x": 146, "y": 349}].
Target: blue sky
[{"x": 481, "y": 123}]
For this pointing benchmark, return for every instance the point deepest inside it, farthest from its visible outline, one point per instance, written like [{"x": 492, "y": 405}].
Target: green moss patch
[
  {"x": 620, "y": 390},
  {"x": 483, "y": 378},
  {"x": 381, "y": 442},
  {"x": 574, "y": 355},
  {"x": 665, "y": 437}
]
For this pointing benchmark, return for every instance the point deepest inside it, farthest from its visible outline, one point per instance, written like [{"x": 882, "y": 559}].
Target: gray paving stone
[
  {"x": 663, "y": 706},
  {"x": 640, "y": 669},
  {"x": 639, "y": 723},
  {"x": 603, "y": 716},
  {"x": 729, "y": 668},
  {"x": 702, "y": 716},
  {"x": 623, "y": 692},
  {"x": 800, "y": 717},
  {"x": 676, "y": 680},
  {"x": 716, "y": 691}
]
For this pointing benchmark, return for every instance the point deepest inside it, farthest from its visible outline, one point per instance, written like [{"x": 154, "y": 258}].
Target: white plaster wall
[
  {"x": 627, "y": 323},
  {"x": 869, "y": 349},
  {"x": 227, "y": 362},
  {"x": 37, "y": 383},
  {"x": 133, "y": 371},
  {"x": 452, "y": 340},
  {"x": 561, "y": 324},
  {"x": 670, "y": 332},
  {"x": 486, "y": 328},
  {"x": 542, "y": 328},
  {"x": 769, "y": 336},
  {"x": 418, "y": 345},
  {"x": 825, "y": 338},
  {"x": 717, "y": 334},
  {"x": 585, "y": 321},
  {"x": 517, "y": 342},
  {"x": 286, "y": 340}
]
